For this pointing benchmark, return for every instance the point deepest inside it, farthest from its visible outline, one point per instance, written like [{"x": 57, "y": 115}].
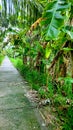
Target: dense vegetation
[
  {"x": 1, "y": 58},
  {"x": 38, "y": 35}
]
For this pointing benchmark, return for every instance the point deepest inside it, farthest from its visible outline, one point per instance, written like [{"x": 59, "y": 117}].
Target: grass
[
  {"x": 61, "y": 96},
  {"x": 34, "y": 78}
]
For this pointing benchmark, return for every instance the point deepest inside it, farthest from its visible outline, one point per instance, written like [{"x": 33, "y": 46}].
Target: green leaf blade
[{"x": 54, "y": 18}]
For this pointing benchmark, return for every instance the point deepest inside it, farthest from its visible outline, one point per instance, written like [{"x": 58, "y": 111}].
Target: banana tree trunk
[{"x": 25, "y": 60}]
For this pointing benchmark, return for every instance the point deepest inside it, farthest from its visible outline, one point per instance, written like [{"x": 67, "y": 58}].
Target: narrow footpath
[{"x": 16, "y": 111}]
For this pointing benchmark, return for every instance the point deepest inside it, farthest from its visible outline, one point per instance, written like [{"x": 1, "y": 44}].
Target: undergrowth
[
  {"x": 33, "y": 77},
  {"x": 61, "y": 96}
]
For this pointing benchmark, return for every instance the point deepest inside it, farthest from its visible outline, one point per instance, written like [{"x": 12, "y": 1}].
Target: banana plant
[
  {"x": 54, "y": 18},
  {"x": 57, "y": 28}
]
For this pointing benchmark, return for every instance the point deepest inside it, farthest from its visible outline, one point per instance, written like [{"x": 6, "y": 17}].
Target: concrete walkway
[{"x": 16, "y": 112}]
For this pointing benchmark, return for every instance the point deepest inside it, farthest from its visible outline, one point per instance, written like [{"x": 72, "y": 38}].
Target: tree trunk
[
  {"x": 5, "y": 6},
  {"x": 25, "y": 60}
]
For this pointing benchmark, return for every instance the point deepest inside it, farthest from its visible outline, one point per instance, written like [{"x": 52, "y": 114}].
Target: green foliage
[
  {"x": 69, "y": 31},
  {"x": 51, "y": 87},
  {"x": 55, "y": 28},
  {"x": 1, "y": 58},
  {"x": 68, "y": 125},
  {"x": 35, "y": 79},
  {"x": 55, "y": 18},
  {"x": 0, "y": 7},
  {"x": 43, "y": 93},
  {"x": 64, "y": 107},
  {"x": 59, "y": 100},
  {"x": 48, "y": 51},
  {"x": 67, "y": 86}
]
